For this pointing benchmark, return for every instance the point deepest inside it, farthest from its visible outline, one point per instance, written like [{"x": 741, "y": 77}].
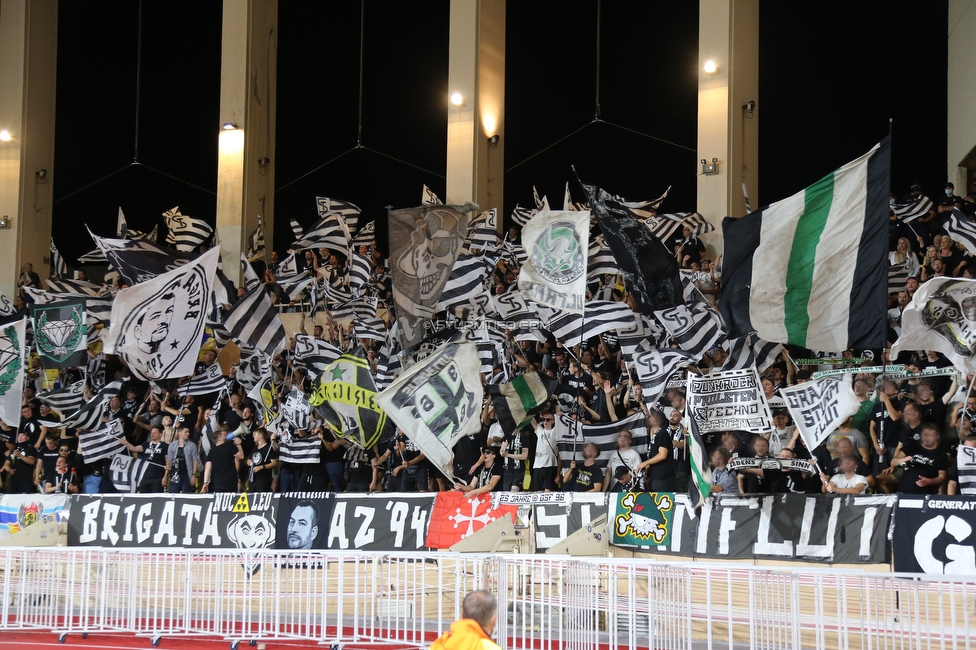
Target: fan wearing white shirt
[{"x": 848, "y": 481}]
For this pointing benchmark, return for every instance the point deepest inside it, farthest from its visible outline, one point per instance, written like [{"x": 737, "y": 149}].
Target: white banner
[
  {"x": 555, "y": 272},
  {"x": 12, "y": 371},
  {"x": 728, "y": 401},
  {"x": 819, "y": 407}
]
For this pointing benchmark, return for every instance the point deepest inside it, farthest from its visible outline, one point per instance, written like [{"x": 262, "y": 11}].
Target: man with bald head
[{"x": 480, "y": 616}]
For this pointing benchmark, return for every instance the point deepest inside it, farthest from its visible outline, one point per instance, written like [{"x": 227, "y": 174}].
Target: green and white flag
[
  {"x": 60, "y": 333},
  {"x": 556, "y": 243},
  {"x": 12, "y": 371},
  {"x": 517, "y": 401},
  {"x": 812, "y": 269}
]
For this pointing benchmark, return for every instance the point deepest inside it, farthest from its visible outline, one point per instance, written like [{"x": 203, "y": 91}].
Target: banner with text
[
  {"x": 935, "y": 534},
  {"x": 819, "y": 407},
  {"x": 728, "y": 401}
]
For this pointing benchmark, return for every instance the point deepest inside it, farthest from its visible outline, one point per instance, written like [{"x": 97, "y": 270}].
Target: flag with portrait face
[{"x": 157, "y": 326}]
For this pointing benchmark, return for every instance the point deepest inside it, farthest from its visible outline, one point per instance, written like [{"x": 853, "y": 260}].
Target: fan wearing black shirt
[
  {"x": 221, "y": 470},
  {"x": 585, "y": 477},
  {"x": 20, "y": 466},
  {"x": 487, "y": 478},
  {"x": 515, "y": 453},
  {"x": 925, "y": 464}
]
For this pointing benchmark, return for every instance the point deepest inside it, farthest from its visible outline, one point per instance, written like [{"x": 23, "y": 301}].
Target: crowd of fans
[{"x": 902, "y": 439}]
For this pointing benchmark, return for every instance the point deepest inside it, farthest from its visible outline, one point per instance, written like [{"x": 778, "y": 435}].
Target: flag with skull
[{"x": 424, "y": 244}]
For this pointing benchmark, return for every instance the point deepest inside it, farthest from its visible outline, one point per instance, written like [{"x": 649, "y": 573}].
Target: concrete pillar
[
  {"x": 728, "y": 36},
  {"x": 28, "y": 69},
  {"x": 961, "y": 96},
  {"x": 245, "y": 163},
  {"x": 475, "y": 166}
]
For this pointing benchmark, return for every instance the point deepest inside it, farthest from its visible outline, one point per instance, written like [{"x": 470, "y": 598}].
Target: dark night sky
[{"x": 831, "y": 74}]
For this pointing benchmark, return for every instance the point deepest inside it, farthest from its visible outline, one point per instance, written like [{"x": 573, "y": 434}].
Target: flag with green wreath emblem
[
  {"x": 60, "y": 334},
  {"x": 12, "y": 370}
]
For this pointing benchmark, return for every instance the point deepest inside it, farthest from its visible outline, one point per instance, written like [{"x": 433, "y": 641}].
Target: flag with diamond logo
[{"x": 60, "y": 333}]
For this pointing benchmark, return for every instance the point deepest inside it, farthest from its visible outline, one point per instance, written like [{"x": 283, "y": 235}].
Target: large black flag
[{"x": 650, "y": 271}]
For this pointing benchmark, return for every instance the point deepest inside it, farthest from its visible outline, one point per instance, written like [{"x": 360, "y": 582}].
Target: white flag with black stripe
[
  {"x": 331, "y": 231},
  {"x": 600, "y": 259},
  {"x": 693, "y": 328},
  {"x": 909, "y": 211},
  {"x": 750, "y": 350},
  {"x": 599, "y": 316},
  {"x": 102, "y": 442},
  {"x": 297, "y": 410},
  {"x": 667, "y": 226},
  {"x": 78, "y": 288},
  {"x": 483, "y": 232},
  {"x": 641, "y": 210},
  {"x": 349, "y": 211},
  {"x": 126, "y": 472},
  {"x": 254, "y": 322},
  {"x": 359, "y": 273},
  {"x": 90, "y": 414},
  {"x": 210, "y": 380},
  {"x": 521, "y": 216},
  {"x": 897, "y": 277},
  {"x": 571, "y": 437},
  {"x": 98, "y": 311},
  {"x": 315, "y": 354},
  {"x": 65, "y": 400},
  {"x": 429, "y": 198},
  {"x": 185, "y": 232},
  {"x": 296, "y": 228},
  {"x": 255, "y": 242},
  {"x": 655, "y": 367},
  {"x": 57, "y": 262},
  {"x": 962, "y": 229},
  {"x": 251, "y": 279},
  {"x": 366, "y": 236},
  {"x": 252, "y": 368},
  {"x": 296, "y": 286},
  {"x": 300, "y": 451},
  {"x": 465, "y": 285}
]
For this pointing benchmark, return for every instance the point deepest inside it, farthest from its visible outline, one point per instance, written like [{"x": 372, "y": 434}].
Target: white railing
[{"x": 545, "y": 602}]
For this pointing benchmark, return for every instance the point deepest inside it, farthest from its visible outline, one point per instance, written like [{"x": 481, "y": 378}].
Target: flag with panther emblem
[
  {"x": 424, "y": 245},
  {"x": 438, "y": 401},
  {"x": 345, "y": 397},
  {"x": 554, "y": 274},
  {"x": 12, "y": 370},
  {"x": 60, "y": 333}
]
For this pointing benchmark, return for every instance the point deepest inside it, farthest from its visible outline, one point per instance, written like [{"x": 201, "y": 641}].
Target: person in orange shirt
[{"x": 473, "y": 631}]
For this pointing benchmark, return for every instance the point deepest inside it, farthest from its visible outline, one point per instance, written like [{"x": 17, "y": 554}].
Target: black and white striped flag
[
  {"x": 98, "y": 311},
  {"x": 655, "y": 367},
  {"x": 96, "y": 371},
  {"x": 127, "y": 472},
  {"x": 483, "y": 232},
  {"x": 296, "y": 286},
  {"x": 359, "y": 273},
  {"x": 521, "y": 216},
  {"x": 57, "y": 262},
  {"x": 65, "y": 400},
  {"x": 315, "y": 354},
  {"x": 693, "y": 328},
  {"x": 123, "y": 231},
  {"x": 251, "y": 279},
  {"x": 666, "y": 226},
  {"x": 296, "y": 228},
  {"x": 255, "y": 242},
  {"x": 912, "y": 210},
  {"x": 102, "y": 442},
  {"x": 370, "y": 328},
  {"x": 93, "y": 257},
  {"x": 750, "y": 350},
  {"x": 349, "y": 211},
  {"x": 254, "y": 322},
  {"x": 599, "y": 316},
  {"x": 647, "y": 334},
  {"x": 287, "y": 268},
  {"x": 641, "y": 210},
  {"x": 600, "y": 260},
  {"x": 185, "y": 232},
  {"x": 541, "y": 203},
  {"x": 89, "y": 415},
  {"x": 366, "y": 236},
  {"x": 331, "y": 231},
  {"x": 962, "y": 229},
  {"x": 78, "y": 288},
  {"x": 515, "y": 253},
  {"x": 252, "y": 368},
  {"x": 898, "y": 277},
  {"x": 571, "y": 437},
  {"x": 300, "y": 451},
  {"x": 210, "y": 380},
  {"x": 465, "y": 286}
]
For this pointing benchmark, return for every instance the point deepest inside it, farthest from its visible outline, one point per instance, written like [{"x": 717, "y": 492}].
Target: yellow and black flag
[{"x": 345, "y": 397}]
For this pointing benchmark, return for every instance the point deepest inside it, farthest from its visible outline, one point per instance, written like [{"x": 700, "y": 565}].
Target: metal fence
[{"x": 407, "y": 600}]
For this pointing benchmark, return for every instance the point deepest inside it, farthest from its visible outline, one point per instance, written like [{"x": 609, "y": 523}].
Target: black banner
[
  {"x": 303, "y": 520},
  {"x": 242, "y": 521},
  {"x": 842, "y": 529},
  {"x": 379, "y": 523},
  {"x": 935, "y": 534},
  {"x": 554, "y": 521}
]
